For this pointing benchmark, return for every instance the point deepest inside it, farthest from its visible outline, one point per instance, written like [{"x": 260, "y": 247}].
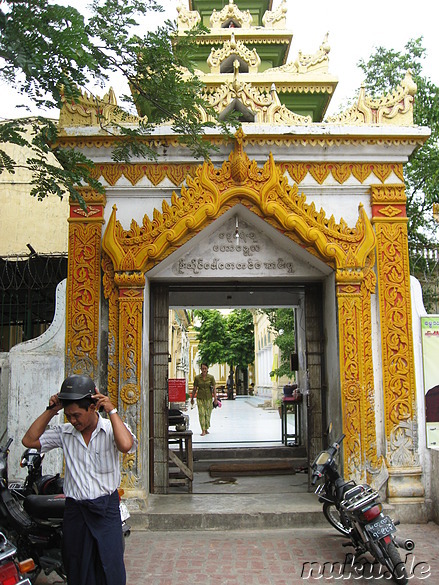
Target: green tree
[
  {"x": 48, "y": 51},
  {"x": 383, "y": 71},
  {"x": 240, "y": 342},
  {"x": 226, "y": 339},
  {"x": 282, "y": 322},
  {"x": 211, "y": 335}
]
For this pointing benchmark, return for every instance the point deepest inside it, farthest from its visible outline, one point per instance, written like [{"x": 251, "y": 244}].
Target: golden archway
[{"x": 129, "y": 254}]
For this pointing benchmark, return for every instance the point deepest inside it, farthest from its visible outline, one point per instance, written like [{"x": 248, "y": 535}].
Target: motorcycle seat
[{"x": 45, "y": 507}]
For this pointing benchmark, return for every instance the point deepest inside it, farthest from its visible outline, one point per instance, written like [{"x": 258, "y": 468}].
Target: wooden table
[{"x": 182, "y": 458}]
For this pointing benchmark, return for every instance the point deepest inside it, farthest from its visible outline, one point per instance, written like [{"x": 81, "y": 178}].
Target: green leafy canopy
[{"x": 48, "y": 51}]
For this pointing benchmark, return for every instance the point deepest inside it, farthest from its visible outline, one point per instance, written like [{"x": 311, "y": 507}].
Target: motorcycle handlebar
[{"x": 8, "y": 444}]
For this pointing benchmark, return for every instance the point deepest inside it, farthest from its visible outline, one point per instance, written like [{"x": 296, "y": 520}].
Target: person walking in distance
[
  {"x": 92, "y": 527},
  {"x": 204, "y": 389}
]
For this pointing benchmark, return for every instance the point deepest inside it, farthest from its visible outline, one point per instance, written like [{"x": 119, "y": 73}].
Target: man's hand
[
  {"x": 54, "y": 403},
  {"x": 102, "y": 401}
]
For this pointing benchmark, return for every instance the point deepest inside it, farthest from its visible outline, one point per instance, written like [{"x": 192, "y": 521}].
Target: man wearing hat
[{"x": 92, "y": 528}]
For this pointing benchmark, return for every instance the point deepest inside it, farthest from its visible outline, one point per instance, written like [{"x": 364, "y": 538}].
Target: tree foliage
[
  {"x": 240, "y": 342},
  {"x": 383, "y": 71},
  {"x": 211, "y": 334},
  {"x": 282, "y": 321},
  {"x": 48, "y": 51},
  {"x": 226, "y": 338}
]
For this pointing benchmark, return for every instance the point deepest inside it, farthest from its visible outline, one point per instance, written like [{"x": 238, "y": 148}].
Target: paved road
[{"x": 268, "y": 557}]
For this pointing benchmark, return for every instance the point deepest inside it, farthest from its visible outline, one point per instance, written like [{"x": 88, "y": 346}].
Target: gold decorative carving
[
  {"x": 156, "y": 173},
  {"x": 130, "y": 393},
  {"x": 396, "y": 325},
  {"x": 276, "y": 18},
  {"x": 230, "y": 12},
  {"x": 130, "y": 302},
  {"x": 341, "y": 172},
  {"x": 265, "y": 107},
  {"x": 212, "y": 191},
  {"x": 394, "y": 108},
  {"x": 111, "y": 293},
  {"x": 186, "y": 19},
  {"x": 357, "y": 381},
  {"x": 319, "y": 61},
  {"x": 236, "y": 49},
  {"x": 83, "y": 293},
  {"x": 89, "y": 110},
  {"x": 176, "y": 173}
]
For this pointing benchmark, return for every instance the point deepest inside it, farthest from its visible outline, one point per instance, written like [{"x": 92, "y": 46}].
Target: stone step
[{"x": 228, "y": 511}]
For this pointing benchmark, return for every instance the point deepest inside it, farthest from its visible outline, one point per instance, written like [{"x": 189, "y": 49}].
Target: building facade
[{"x": 319, "y": 208}]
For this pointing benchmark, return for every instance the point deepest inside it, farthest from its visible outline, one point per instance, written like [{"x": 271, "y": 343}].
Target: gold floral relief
[
  {"x": 351, "y": 371},
  {"x": 83, "y": 297},
  {"x": 396, "y": 321},
  {"x": 130, "y": 305},
  {"x": 111, "y": 293}
]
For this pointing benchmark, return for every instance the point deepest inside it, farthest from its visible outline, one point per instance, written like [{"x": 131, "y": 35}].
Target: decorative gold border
[
  {"x": 83, "y": 285},
  {"x": 389, "y": 218}
]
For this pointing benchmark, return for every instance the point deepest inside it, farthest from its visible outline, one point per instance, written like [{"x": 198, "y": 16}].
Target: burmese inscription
[{"x": 237, "y": 247}]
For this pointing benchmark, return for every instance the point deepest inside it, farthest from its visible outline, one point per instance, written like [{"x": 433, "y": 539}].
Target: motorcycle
[
  {"x": 12, "y": 572},
  {"x": 33, "y": 523},
  {"x": 36, "y": 482},
  {"x": 355, "y": 510}
]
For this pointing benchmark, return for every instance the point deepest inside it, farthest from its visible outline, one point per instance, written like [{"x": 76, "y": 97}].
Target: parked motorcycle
[
  {"x": 35, "y": 482},
  {"x": 12, "y": 572},
  {"x": 33, "y": 523},
  {"x": 356, "y": 511}
]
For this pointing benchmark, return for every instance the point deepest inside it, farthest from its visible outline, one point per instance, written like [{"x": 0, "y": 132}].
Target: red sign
[{"x": 177, "y": 390}]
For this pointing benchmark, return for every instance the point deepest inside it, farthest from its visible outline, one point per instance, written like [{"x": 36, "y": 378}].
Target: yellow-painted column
[
  {"x": 401, "y": 425},
  {"x": 355, "y": 374},
  {"x": 131, "y": 295},
  {"x": 84, "y": 284}
]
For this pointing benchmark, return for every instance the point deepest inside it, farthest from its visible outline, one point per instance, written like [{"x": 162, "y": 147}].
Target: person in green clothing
[{"x": 204, "y": 389}]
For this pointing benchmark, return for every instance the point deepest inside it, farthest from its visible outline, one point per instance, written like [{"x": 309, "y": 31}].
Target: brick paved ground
[
  {"x": 269, "y": 557},
  {"x": 261, "y": 557}
]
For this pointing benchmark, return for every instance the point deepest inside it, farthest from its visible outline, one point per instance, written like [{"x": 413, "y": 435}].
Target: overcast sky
[{"x": 354, "y": 30}]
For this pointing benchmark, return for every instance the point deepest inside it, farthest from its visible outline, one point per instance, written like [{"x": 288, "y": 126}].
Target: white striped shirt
[{"x": 90, "y": 471}]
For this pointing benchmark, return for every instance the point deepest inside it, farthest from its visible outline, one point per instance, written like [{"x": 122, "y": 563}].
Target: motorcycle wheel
[
  {"x": 334, "y": 518},
  {"x": 392, "y": 560}
]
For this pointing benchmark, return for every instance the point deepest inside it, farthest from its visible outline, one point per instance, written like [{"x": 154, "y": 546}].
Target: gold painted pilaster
[
  {"x": 356, "y": 374},
  {"x": 131, "y": 286},
  {"x": 401, "y": 425},
  {"x": 83, "y": 284}
]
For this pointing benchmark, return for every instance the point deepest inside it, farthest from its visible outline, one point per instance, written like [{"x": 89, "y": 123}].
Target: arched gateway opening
[{"x": 186, "y": 255}]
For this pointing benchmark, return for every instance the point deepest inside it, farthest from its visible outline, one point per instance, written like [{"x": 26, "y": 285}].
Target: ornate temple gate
[{"x": 127, "y": 256}]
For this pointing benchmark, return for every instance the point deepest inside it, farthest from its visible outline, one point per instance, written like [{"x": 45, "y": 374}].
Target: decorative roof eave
[
  {"x": 395, "y": 143},
  {"x": 248, "y": 36},
  {"x": 285, "y": 83},
  {"x": 193, "y": 3}
]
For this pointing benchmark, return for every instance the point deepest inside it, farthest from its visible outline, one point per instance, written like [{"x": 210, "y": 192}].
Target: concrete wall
[{"x": 36, "y": 371}]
